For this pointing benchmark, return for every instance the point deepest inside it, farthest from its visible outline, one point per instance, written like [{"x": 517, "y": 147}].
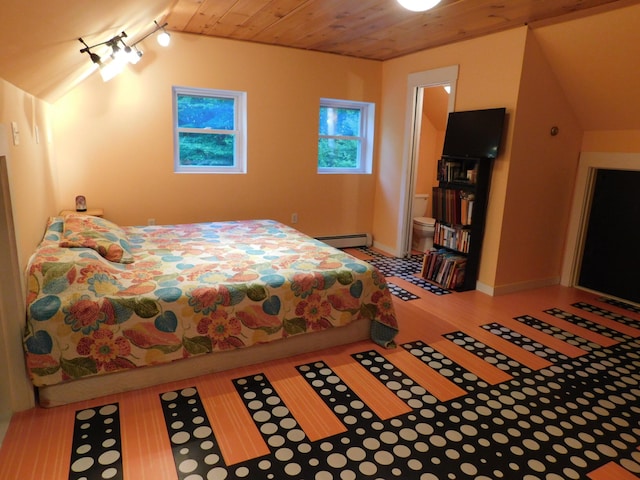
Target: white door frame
[{"x": 416, "y": 83}]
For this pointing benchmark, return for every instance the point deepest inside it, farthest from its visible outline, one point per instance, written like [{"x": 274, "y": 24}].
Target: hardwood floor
[{"x": 477, "y": 388}]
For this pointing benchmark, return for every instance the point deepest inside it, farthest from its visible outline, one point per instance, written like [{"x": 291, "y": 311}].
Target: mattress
[{"x": 104, "y": 298}]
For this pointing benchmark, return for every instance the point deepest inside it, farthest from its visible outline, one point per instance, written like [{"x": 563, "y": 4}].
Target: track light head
[
  {"x": 164, "y": 39},
  {"x": 95, "y": 58},
  {"x": 121, "y": 53}
]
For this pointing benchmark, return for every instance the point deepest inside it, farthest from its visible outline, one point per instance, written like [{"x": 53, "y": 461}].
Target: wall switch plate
[{"x": 16, "y": 133}]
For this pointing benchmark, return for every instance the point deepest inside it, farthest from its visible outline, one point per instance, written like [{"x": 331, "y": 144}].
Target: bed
[{"x": 113, "y": 308}]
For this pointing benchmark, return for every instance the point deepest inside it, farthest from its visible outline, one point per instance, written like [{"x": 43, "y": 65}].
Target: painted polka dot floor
[
  {"x": 563, "y": 421},
  {"x": 96, "y": 451},
  {"x": 404, "y": 268}
]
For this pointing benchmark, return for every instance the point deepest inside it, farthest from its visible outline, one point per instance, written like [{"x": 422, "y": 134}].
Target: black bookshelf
[{"x": 459, "y": 206}]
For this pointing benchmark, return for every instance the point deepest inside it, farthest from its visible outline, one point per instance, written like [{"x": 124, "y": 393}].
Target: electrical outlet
[
  {"x": 294, "y": 218},
  {"x": 151, "y": 221}
]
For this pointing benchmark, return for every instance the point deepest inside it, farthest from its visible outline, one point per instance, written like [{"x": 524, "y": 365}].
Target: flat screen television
[{"x": 474, "y": 133}]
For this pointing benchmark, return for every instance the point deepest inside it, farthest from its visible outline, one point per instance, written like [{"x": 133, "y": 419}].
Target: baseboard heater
[{"x": 348, "y": 241}]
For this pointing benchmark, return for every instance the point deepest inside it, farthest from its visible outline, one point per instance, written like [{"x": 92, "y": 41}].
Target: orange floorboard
[
  {"x": 314, "y": 416},
  {"x": 441, "y": 388},
  {"x": 612, "y": 471}
]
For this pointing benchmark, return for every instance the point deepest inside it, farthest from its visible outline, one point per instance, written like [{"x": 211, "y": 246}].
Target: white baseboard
[
  {"x": 386, "y": 249},
  {"x": 4, "y": 426},
  {"x": 516, "y": 287}
]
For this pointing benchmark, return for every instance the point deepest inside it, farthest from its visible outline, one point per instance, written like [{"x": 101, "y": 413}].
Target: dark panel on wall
[{"x": 611, "y": 259}]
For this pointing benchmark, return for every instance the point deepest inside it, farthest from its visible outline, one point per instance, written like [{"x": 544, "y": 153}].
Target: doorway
[
  {"x": 610, "y": 259},
  {"x": 427, "y": 103},
  {"x": 591, "y": 165}
]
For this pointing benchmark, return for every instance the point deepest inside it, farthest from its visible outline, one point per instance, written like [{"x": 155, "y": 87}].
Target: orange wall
[
  {"x": 540, "y": 182},
  {"x": 30, "y": 166},
  {"x": 488, "y": 77},
  {"x": 31, "y": 190},
  {"x": 434, "y": 123},
  {"x": 114, "y": 141},
  {"x": 427, "y": 151},
  {"x": 621, "y": 141}
]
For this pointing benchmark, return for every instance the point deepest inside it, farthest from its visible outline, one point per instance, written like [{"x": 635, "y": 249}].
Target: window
[
  {"x": 345, "y": 143},
  {"x": 209, "y": 131}
]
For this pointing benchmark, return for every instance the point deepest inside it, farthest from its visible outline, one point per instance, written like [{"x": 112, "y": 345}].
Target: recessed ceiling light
[{"x": 418, "y": 5}]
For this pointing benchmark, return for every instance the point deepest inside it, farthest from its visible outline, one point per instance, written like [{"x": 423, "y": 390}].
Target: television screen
[{"x": 474, "y": 133}]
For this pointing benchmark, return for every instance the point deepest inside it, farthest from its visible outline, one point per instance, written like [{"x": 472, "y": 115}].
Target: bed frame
[{"x": 118, "y": 382}]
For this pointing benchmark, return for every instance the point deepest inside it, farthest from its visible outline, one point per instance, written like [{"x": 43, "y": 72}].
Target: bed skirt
[{"x": 118, "y": 382}]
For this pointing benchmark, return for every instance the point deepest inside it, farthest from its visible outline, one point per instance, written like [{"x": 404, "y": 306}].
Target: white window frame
[
  {"x": 240, "y": 131},
  {"x": 366, "y": 138}
]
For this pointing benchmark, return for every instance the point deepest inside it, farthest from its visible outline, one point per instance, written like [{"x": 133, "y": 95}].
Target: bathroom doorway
[{"x": 430, "y": 97}]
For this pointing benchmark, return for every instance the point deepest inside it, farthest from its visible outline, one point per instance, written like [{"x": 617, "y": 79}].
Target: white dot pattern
[
  {"x": 525, "y": 343},
  {"x": 96, "y": 448},
  {"x": 445, "y": 366},
  {"x": 195, "y": 451},
  {"x": 623, "y": 319},
  {"x": 583, "y": 322},
  {"x": 558, "y": 333}
]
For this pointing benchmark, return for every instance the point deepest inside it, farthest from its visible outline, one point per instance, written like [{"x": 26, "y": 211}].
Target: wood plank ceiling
[{"x": 371, "y": 29}]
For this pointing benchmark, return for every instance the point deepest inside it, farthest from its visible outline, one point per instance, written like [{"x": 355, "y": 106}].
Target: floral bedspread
[{"x": 191, "y": 289}]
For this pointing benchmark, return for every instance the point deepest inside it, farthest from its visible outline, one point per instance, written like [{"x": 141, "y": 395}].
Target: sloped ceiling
[
  {"x": 592, "y": 45},
  {"x": 39, "y": 47},
  {"x": 597, "y": 61}
]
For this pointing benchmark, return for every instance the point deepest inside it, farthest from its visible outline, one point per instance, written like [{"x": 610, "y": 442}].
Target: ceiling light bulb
[
  {"x": 133, "y": 55},
  {"x": 418, "y": 5},
  {"x": 112, "y": 67},
  {"x": 119, "y": 54},
  {"x": 164, "y": 38}
]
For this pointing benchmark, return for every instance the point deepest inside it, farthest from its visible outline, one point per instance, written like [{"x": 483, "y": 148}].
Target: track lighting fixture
[{"x": 121, "y": 53}]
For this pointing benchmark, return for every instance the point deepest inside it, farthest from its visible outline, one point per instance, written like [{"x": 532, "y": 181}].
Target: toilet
[{"x": 423, "y": 226}]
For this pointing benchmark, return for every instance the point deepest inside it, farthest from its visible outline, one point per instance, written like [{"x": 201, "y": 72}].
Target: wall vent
[{"x": 348, "y": 241}]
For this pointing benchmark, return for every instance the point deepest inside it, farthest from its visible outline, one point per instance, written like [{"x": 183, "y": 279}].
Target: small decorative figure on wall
[{"x": 81, "y": 203}]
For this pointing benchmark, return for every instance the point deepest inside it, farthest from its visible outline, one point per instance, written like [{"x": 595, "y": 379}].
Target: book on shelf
[
  {"x": 457, "y": 171},
  {"x": 453, "y": 237},
  {"x": 453, "y": 206},
  {"x": 444, "y": 268}
]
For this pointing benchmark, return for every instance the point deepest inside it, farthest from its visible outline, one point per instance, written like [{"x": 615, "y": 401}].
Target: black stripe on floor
[
  {"x": 488, "y": 354},
  {"x": 557, "y": 332},
  {"x": 623, "y": 319},
  {"x": 588, "y": 324},
  {"x": 446, "y": 367},
  {"x": 195, "y": 450},
  {"x": 525, "y": 343},
  {"x": 97, "y": 445}
]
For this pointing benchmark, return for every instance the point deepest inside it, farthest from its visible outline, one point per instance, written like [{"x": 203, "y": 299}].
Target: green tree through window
[
  {"x": 345, "y": 136},
  {"x": 208, "y": 130}
]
